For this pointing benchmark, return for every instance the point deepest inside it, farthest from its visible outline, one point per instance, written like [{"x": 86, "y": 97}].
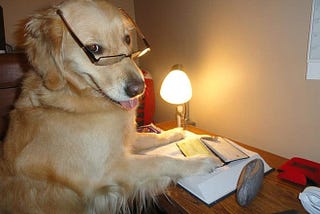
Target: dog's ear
[{"x": 43, "y": 44}]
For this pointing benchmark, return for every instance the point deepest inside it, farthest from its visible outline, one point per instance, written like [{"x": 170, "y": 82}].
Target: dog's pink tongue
[{"x": 130, "y": 104}]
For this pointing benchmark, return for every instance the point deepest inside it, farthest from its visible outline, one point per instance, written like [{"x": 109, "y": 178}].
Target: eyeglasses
[{"x": 108, "y": 60}]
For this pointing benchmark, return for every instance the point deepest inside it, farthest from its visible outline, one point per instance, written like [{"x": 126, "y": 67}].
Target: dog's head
[{"x": 87, "y": 44}]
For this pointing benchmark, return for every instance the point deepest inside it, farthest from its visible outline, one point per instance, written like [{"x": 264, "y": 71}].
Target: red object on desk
[
  {"x": 299, "y": 170},
  {"x": 146, "y": 108}
]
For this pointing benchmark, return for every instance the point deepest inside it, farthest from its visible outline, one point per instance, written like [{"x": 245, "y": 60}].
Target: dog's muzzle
[{"x": 134, "y": 89}]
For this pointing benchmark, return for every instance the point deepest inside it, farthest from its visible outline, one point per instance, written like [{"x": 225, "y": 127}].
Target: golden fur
[{"x": 69, "y": 147}]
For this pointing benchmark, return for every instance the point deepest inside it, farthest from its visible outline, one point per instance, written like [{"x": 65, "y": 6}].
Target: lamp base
[{"x": 190, "y": 122}]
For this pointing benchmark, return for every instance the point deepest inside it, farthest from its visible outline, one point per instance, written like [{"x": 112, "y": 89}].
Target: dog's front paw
[
  {"x": 203, "y": 164},
  {"x": 172, "y": 135}
]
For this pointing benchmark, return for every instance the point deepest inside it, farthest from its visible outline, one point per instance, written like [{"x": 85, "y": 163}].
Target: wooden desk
[{"x": 275, "y": 195}]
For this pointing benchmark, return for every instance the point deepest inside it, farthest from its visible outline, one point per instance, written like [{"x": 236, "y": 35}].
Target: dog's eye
[
  {"x": 127, "y": 39},
  {"x": 95, "y": 48}
]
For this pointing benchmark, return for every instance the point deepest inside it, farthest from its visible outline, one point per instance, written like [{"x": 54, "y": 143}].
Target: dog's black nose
[{"x": 134, "y": 88}]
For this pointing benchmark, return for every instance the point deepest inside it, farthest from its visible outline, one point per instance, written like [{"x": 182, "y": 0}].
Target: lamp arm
[{"x": 180, "y": 115}]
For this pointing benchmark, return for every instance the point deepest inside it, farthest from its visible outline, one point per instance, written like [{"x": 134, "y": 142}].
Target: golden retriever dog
[{"x": 72, "y": 146}]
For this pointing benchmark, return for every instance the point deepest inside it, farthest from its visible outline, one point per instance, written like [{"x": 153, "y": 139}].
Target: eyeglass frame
[{"x": 92, "y": 56}]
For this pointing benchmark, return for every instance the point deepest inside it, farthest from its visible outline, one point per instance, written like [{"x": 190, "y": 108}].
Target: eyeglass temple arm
[
  {"x": 126, "y": 15},
  {"x": 74, "y": 36}
]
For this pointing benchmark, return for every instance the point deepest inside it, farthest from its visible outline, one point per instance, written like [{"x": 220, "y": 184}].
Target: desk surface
[{"x": 275, "y": 195}]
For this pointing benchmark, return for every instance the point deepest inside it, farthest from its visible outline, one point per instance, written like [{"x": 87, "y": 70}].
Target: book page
[
  {"x": 192, "y": 147},
  {"x": 223, "y": 149}
]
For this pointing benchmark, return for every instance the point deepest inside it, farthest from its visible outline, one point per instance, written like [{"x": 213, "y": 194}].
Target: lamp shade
[{"x": 176, "y": 87}]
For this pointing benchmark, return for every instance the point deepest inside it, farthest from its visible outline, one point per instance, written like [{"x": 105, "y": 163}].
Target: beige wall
[
  {"x": 17, "y": 10},
  {"x": 247, "y": 63}
]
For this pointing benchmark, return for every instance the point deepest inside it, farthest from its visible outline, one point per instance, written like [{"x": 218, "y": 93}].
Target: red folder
[{"x": 299, "y": 170}]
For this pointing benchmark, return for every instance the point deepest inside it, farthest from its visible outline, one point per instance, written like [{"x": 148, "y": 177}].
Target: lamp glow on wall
[{"x": 176, "y": 89}]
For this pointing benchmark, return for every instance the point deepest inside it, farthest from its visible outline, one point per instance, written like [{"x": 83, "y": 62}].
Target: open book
[{"x": 211, "y": 187}]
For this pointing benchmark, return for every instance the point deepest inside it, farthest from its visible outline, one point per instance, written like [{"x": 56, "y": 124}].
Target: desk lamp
[{"x": 176, "y": 89}]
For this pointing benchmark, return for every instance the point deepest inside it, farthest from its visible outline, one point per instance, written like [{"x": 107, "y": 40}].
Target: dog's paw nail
[{"x": 205, "y": 164}]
